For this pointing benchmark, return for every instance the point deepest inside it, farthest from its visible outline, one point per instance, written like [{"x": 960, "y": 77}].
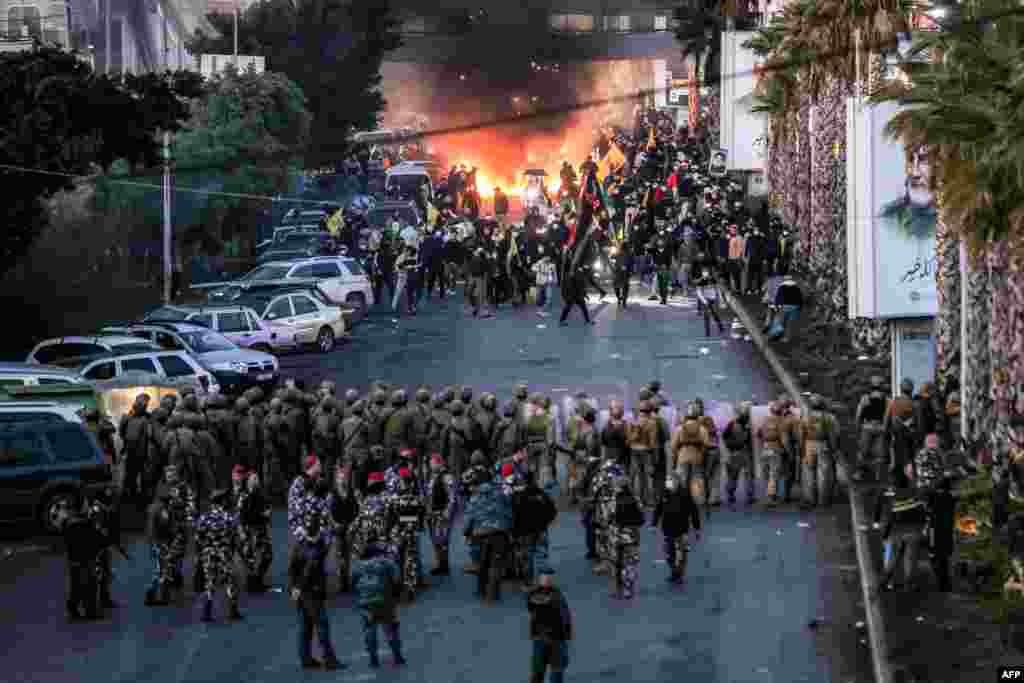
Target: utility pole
[
  {"x": 168, "y": 230},
  {"x": 106, "y": 29},
  {"x": 236, "y": 31}
]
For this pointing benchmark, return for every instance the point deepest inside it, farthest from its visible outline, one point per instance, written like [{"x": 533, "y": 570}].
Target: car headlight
[{"x": 233, "y": 366}]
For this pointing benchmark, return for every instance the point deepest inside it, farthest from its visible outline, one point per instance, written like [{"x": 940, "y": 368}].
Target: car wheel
[
  {"x": 262, "y": 348},
  {"x": 49, "y": 510},
  {"x": 325, "y": 340}
]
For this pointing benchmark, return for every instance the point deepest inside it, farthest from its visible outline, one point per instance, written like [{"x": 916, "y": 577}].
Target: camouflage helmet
[
  {"x": 877, "y": 382},
  {"x": 645, "y": 395},
  {"x": 438, "y": 401},
  {"x": 242, "y": 405},
  {"x": 743, "y": 408},
  {"x": 329, "y": 405},
  {"x": 276, "y": 405},
  {"x": 358, "y": 407},
  {"x": 351, "y": 395},
  {"x": 449, "y": 394},
  {"x": 521, "y": 392},
  {"x": 399, "y": 398},
  {"x": 489, "y": 401},
  {"x": 816, "y": 402},
  {"x": 457, "y": 407},
  {"x": 509, "y": 410},
  {"x": 478, "y": 459},
  {"x": 423, "y": 395},
  {"x": 537, "y": 399},
  {"x": 328, "y": 388},
  {"x": 466, "y": 394},
  {"x": 380, "y": 398}
]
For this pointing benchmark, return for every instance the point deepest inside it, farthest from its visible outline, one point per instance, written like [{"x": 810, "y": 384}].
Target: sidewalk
[{"x": 931, "y": 637}]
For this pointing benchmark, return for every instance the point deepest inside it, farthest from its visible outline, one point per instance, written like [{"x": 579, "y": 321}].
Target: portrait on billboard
[{"x": 716, "y": 166}]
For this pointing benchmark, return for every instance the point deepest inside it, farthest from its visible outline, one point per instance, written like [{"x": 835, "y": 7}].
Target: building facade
[{"x": 115, "y": 36}]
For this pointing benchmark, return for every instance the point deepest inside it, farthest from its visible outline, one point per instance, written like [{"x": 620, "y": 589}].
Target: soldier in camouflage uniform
[
  {"x": 157, "y": 456},
  {"x": 508, "y": 434},
  {"x": 479, "y": 471},
  {"x": 184, "y": 510},
  {"x": 377, "y": 414},
  {"x": 407, "y": 515},
  {"x": 538, "y": 440},
  {"x": 614, "y": 436},
  {"x": 459, "y": 440},
  {"x": 216, "y": 544},
  {"x": 304, "y": 498},
  {"x": 274, "y": 448},
  {"x": 371, "y": 524},
  {"x": 489, "y": 521},
  {"x": 819, "y": 445},
  {"x": 248, "y": 436},
  {"x": 327, "y": 433},
  {"x": 466, "y": 396},
  {"x": 520, "y": 397},
  {"x": 344, "y": 510},
  {"x": 220, "y": 423},
  {"x": 254, "y": 512},
  {"x": 102, "y": 511},
  {"x": 870, "y": 420},
  {"x": 400, "y": 428},
  {"x": 136, "y": 438},
  {"x": 624, "y": 542},
  {"x": 712, "y": 457},
  {"x": 585, "y": 446},
  {"x": 587, "y": 469},
  {"x": 689, "y": 447},
  {"x": 421, "y": 419},
  {"x": 771, "y": 435},
  {"x": 296, "y": 433},
  {"x": 486, "y": 419},
  {"x": 739, "y": 439},
  {"x": 209, "y": 457},
  {"x": 355, "y": 445},
  {"x": 392, "y": 475},
  {"x": 606, "y": 487},
  {"x": 437, "y": 424},
  {"x": 162, "y": 526}
]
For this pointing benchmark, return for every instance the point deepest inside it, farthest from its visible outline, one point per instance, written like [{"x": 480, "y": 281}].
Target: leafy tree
[
  {"x": 62, "y": 119},
  {"x": 333, "y": 49}
]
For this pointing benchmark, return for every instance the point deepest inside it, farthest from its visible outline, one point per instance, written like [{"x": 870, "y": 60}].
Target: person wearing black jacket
[
  {"x": 574, "y": 283},
  {"x": 707, "y": 291},
  {"x": 756, "y": 249},
  {"x": 432, "y": 253},
  {"x": 254, "y": 511},
  {"x": 500, "y": 206},
  {"x": 677, "y": 511},
  {"x": 622, "y": 268},
  {"x": 308, "y": 578},
  {"x": 82, "y": 544},
  {"x": 344, "y": 510},
  {"x": 477, "y": 288},
  {"x": 383, "y": 268},
  {"x": 941, "y": 513}
]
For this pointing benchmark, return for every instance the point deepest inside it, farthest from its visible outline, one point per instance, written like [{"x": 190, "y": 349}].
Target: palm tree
[{"x": 699, "y": 27}]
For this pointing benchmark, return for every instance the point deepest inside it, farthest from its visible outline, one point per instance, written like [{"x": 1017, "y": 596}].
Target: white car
[
  {"x": 33, "y": 375},
  {"x": 176, "y": 365},
  {"x": 53, "y": 350}
]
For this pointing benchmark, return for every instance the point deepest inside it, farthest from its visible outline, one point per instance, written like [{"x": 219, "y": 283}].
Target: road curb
[{"x": 880, "y": 658}]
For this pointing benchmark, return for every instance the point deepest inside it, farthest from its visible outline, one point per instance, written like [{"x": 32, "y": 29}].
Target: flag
[
  {"x": 694, "y": 99},
  {"x": 592, "y": 200},
  {"x": 432, "y": 215},
  {"x": 613, "y": 161},
  {"x": 652, "y": 140},
  {"x": 336, "y": 222}
]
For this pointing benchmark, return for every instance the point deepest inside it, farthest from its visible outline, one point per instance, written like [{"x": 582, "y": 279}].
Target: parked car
[
  {"x": 381, "y": 214},
  {"x": 38, "y": 411},
  {"x": 31, "y": 375},
  {"x": 311, "y": 314},
  {"x": 238, "y": 323},
  {"x": 47, "y": 465},
  {"x": 235, "y": 368},
  {"x": 341, "y": 279},
  {"x": 172, "y": 364},
  {"x": 52, "y": 350},
  {"x": 301, "y": 244},
  {"x": 283, "y": 232}
]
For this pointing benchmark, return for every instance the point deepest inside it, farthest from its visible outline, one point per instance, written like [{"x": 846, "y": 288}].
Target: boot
[
  {"x": 331, "y": 663},
  {"x": 396, "y": 650},
  {"x": 207, "y": 611},
  {"x": 374, "y": 660},
  {"x": 233, "y": 613},
  {"x": 471, "y": 567},
  {"x": 156, "y": 597},
  {"x": 106, "y": 602},
  {"x": 312, "y": 663}
]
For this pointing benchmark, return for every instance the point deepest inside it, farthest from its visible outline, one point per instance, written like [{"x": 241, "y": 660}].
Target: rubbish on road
[
  {"x": 616, "y": 356},
  {"x": 862, "y": 358},
  {"x": 704, "y": 350},
  {"x": 860, "y": 625},
  {"x": 542, "y": 327},
  {"x": 804, "y": 525},
  {"x": 778, "y": 532}
]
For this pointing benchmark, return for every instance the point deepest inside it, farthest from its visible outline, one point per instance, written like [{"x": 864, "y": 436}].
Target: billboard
[
  {"x": 215, "y": 64},
  {"x": 891, "y": 219},
  {"x": 740, "y": 126}
]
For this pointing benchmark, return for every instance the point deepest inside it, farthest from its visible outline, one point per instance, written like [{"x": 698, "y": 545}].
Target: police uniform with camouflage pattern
[
  {"x": 477, "y": 473},
  {"x": 421, "y": 411},
  {"x": 216, "y": 545},
  {"x": 304, "y": 500},
  {"x": 772, "y": 434},
  {"x": 442, "y": 504},
  {"x": 606, "y": 485},
  {"x": 327, "y": 433},
  {"x": 460, "y": 439},
  {"x": 624, "y": 546},
  {"x": 870, "y": 420},
  {"x": 209, "y": 460},
  {"x": 371, "y": 524},
  {"x": 351, "y": 396},
  {"x": 248, "y": 436},
  {"x": 689, "y": 447},
  {"x": 438, "y": 421},
  {"x": 392, "y": 476},
  {"x": 163, "y": 525},
  {"x": 355, "y": 444},
  {"x": 587, "y": 471},
  {"x": 157, "y": 459},
  {"x": 819, "y": 444},
  {"x": 738, "y": 438},
  {"x": 136, "y": 438},
  {"x": 712, "y": 457},
  {"x": 538, "y": 439},
  {"x": 102, "y": 513},
  {"x": 407, "y": 515},
  {"x": 256, "y": 548},
  {"x": 183, "y": 508},
  {"x": 377, "y": 414}
]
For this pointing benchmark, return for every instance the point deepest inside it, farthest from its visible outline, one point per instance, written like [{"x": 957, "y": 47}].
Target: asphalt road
[{"x": 756, "y": 580}]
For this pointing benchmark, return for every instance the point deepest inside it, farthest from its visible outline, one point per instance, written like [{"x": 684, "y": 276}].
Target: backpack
[
  {"x": 691, "y": 433},
  {"x": 771, "y": 432},
  {"x": 534, "y": 511},
  {"x": 644, "y": 434},
  {"x": 627, "y": 510},
  {"x": 737, "y": 436}
]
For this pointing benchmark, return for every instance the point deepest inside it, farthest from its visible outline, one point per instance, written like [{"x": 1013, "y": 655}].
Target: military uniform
[
  {"x": 407, "y": 515},
  {"x": 81, "y": 543},
  {"x": 257, "y": 551},
  {"x": 900, "y": 431},
  {"x": 739, "y": 439},
  {"x": 275, "y": 444},
  {"x": 355, "y": 445},
  {"x": 819, "y": 444},
  {"x": 644, "y": 447},
  {"x": 104, "y": 516},
  {"x": 442, "y": 504},
  {"x": 375, "y": 580},
  {"x": 712, "y": 458},
  {"x": 623, "y": 541},
  {"x": 157, "y": 456},
  {"x": 903, "y": 515},
  {"x": 371, "y": 524},
  {"x": 615, "y": 440},
  {"x": 162, "y": 526},
  {"x": 295, "y": 442},
  {"x": 377, "y": 414},
  {"x": 771, "y": 434},
  {"x": 585, "y": 446},
  {"x": 587, "y": 471},
  {"x": 344, "y": 510},
  {"x": 508, "y": 434},
  {"x": 437, "y": 423},
  {"x": 603, "y": 494},
  {"x": 538, "y": 441},
  {"x": 677, "y": 511},
  {"x": 486, "y": 420},
  {"x": 248, "y": 437},
  {"x": 327, "y": 434},
  {"x": 476, "y": 474},
  {"x": 184, "y": 510},
  {"x": 136, "y": 438},
  {"x": 400, "y": 429},
  {"x": 209, "y": 458},
  {"x": 304, "y": 501},
  {"x": 216, "y": 544},
  {"x": 460, "y": 439},
  {"x": 489, "y": 521},
  {"x": 689, "y": 445}
]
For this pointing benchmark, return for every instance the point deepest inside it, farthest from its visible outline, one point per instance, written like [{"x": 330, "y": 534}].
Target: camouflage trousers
[
  {"x": 677, "y": 550},
  {"x": 771, "y": 471},
  {"x": 256, "y": 549},
  {"x": 219, "y": 571},
  {"x": 818, "y": 474},
  {"x": 177, "y": 548},
  {"x": 163, "y": 565},
  {"x": 740, "y": 464},
  {"x": 626, "y": 562},
  {"x": 408, "y": 559}
]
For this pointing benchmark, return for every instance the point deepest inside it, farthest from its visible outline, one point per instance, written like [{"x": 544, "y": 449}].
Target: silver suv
[{"x": 240, "y": 324}]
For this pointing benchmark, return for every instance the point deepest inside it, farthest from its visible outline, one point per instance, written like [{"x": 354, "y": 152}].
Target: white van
[{"x": 407, "y": 178}]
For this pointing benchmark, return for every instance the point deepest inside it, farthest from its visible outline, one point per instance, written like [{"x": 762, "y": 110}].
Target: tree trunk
[
  {"x": 802, "y": 183},
  {"x": 827, "y": 252},
  {"x": 871, "y": 337},
  {"x": 948, "y": 285},
  {"x": 976, "y": 395},
  {"x": 787, "y": 168}
]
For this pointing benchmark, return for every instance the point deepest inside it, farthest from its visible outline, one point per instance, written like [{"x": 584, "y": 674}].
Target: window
[
  {"x": 354, "y": 267},
  {"x": 22, "y": 450},
  {"x": 326, "y": 270},
  {"x": 206, "y": 342},
  {"x": 143, "y": 334},
  {"x": 303, "y": 271},
  {"x": 168, "y": 341},
  {"x": 101, "y": 371},
  {"x": 70, "y": 445},
  {"x": 24, "y": 22},
  {"x": 304, "y": 305},
  {"x": 12, "y": 382},
  {"x": 175, "y": 367},
  {"x": 661, "y": 23},
  {"x": 7, "y": 418},
  {"x": 233, "y": 322},
  {"x": 619, "y": 23},
  {"x": 49, "y": 381},
  {"x": 139, "y": 365},
  {"x": 264, "y": 273},
  {"x": 572, "y": 23},
  {"x": 254, "y": 322},
  {"x": 280, "y": 309},
  {"x": 204, "y": 319},
  {"x": 48, "y": 354}
]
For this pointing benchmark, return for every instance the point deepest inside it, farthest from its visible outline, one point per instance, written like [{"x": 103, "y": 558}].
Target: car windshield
[
  {"x": 353, "y": 266},
  {"x": 406, "y": 185},
  {"x": 205, "y": 342},
  {"x": 265, "y": 273}
]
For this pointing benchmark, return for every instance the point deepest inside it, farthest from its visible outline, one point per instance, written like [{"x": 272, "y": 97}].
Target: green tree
[
  {"x": 332, "y": 48},
  {"x": 63, "y": 119}
]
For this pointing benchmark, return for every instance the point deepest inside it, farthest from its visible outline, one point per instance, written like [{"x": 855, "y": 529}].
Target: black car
[
  {"x": 44, "y": 465},
  {"x": 300, "y": 245}
]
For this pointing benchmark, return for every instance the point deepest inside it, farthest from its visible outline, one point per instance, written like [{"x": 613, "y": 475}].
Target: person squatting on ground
[{"x": 677, "y": 512}]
